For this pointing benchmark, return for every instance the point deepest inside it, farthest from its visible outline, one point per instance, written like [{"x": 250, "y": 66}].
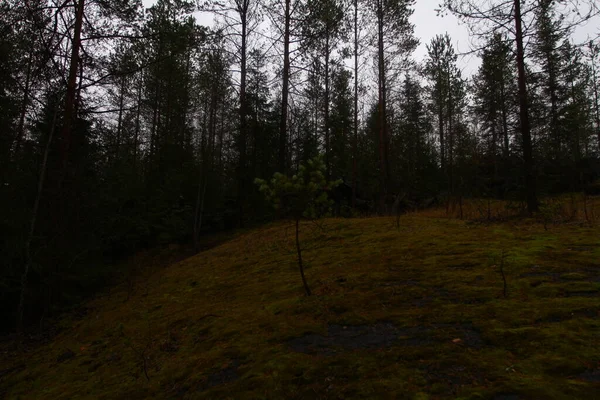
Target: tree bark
[
  {"x": 299, "y": 250},
  {"x": 71, "y": 93},
  {"x": 552, "y": 87},
  {"x": 441, "y": 122},
  {"x": 355, "y": 141},
  {"x": 32, "y": 226},
  {"x": 199, "y": 212},
  {"x": 383, "y": 164},
  {"x": 530, "y": 189},
  {"x": 326, "y": 111},
  {"x": 450, "y": 134},
  {"x": 242, "y": 172},
  {"x": 504, "y": 119},
  {"x": 21, "y": 125},
  {"x": 285, "y": 90},
  {"x": 137, "y": 125},
  {"x": 596, "y": 101},
  {"x": 120, "y": 117}
]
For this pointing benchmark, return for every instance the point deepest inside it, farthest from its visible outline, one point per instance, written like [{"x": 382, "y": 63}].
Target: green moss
[{"x": 217, "y": 325}]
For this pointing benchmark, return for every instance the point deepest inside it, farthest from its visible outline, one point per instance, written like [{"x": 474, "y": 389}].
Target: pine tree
[{"x": 495, "y": 107}]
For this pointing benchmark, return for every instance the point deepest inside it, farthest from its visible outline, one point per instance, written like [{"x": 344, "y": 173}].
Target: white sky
[{"x": 428, "y": 25}]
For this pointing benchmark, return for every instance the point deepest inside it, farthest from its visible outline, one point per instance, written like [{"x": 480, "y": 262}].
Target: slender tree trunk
[
  {"x": 154, "y": 130},
  {"x": 383, "y": 165},
  {"x": 441, "y": 123},
  {"x": 221, "y": 134},
  {"x": 450, "y": 135},
  {"x": 137, "y": 125},
  {"x": 242, "y": 173},
  {"x": 299, "y": 251},
  {"x": 32, "y": 226},
  {"x": 206, "y": 153},
  {"x": 71, "y": 93},
  {"x": 494, "y": 151},
  {"x": 285, "y": 90},
  {"x": 120, "y": 117},
  {"x": 596, "y": 102},
  {"x": 355, "y": 141},
  {"x": 576, "y": 135},
  {"x": 23, "y": 113},
  {"x": 198, "y": 214},
  {"x": 207, "y": 150},
  {"x": 504, "y": 120},
  {"x": 326, "y": 111},
  {"x": 555, "y": 139},
  {"x": 532, "y": 203}
]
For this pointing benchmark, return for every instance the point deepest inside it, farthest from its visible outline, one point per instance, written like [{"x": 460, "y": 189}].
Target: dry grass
[{"x": 574, "y": 207}]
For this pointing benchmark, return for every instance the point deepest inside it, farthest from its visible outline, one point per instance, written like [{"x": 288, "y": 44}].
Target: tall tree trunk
[
  {"x": 137, "y": 125},
  {"x": 450, "y": 134},
  {"x": 596, "y": 102},
  {"x": 326, "y": 111},
  {"x": 355, "y": 141},
  {"x": 494, "y": 151},
  {"x": 506, "y": 149},
  {"x": 71, "y": 93},
  {"x": 555, "y": 139},
  {"x": 285, "y": 90},
  {"x": 221, "y": 135},
  {"x": 120, "y": 117},
  {"x": 25, "y": 103},
  {"x": 383, "y": 164},
  {"x": 79, "y": 89},
  {"x": 441, "y": 122},
  {"x": 199, "y": 212},
  {"x": 32, "y": 226},
  {"x": 530, "y": 189},
  {"x": 154, "y": 129},
  {"x": 242, "y": 172},
  {"x": 576, "y": 135}
]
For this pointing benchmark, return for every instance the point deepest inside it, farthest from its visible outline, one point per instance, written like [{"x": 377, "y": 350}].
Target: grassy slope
[{"x": 218, "y": 325}]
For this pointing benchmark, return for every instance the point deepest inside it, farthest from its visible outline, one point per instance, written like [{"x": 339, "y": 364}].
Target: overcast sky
[{"x": 428, "y": 24}]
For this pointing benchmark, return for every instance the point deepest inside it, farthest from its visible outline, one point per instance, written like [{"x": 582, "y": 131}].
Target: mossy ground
[{"x": 229, "y": 322}]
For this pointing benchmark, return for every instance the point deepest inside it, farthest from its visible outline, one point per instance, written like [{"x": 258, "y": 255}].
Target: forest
[
  {"x": 124, "y": 128},
  {"x": 281, "y": 199}
]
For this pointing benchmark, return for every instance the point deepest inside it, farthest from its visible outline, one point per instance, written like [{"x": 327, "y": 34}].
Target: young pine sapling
[{"x": 302, "y": 196}]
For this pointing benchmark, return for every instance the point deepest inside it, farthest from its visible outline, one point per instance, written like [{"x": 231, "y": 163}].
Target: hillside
[{"x": 413, "y": 312}]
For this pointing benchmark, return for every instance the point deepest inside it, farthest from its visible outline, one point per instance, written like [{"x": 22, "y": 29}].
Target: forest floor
[{"x": 416, "y": 311}]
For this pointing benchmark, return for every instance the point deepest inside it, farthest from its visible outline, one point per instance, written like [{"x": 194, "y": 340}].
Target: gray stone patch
[
  {"x": 566, "y": 316},
  {"x": 506, "y": 396},
  {"x": 590, "y": 376},
  {"x": 408, "y": 282},
  {"x": 553, "y": 276},
  {"x": 223, "y": 376},
  {"x": 583, "y": 293},
  {"x": 383, "y": 335},
  {"x": 65, "y": 356},
  {"x": 465, "y": 266},
  {"x": 353, "y": 337},
  {"x": 466, "y": 332}
]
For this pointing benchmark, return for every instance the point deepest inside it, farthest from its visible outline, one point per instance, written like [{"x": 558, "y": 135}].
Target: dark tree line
[{"x": 123, "y": 128}]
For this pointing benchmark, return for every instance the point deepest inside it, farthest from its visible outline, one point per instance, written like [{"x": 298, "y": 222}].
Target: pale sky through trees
[{"x": 428, "y": 24}]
